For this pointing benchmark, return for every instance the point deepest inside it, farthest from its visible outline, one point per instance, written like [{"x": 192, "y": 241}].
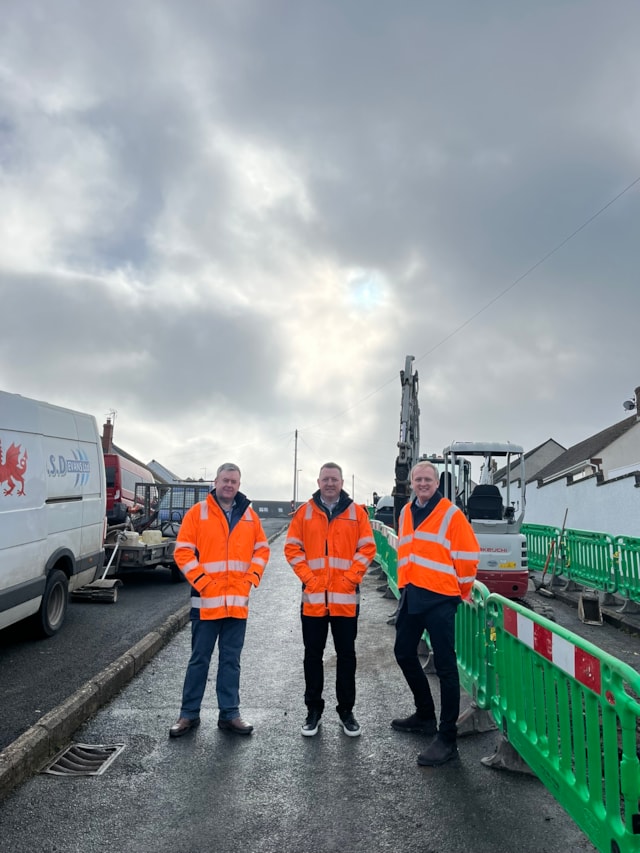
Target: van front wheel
[{"x": 53, "y": 607}]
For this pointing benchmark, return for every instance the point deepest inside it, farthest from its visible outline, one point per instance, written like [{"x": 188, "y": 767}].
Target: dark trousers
[
  {"x": 420, "y": 610},
  {"x": 315, "y": 630}
]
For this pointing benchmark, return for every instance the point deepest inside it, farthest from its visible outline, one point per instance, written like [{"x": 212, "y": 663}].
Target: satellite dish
[{"x": 629, "y": 405}]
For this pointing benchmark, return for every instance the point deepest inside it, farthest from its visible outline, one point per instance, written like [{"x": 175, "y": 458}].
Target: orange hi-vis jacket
[
  {"x": 330, "y": 556},
  {"x": 221, "y": 565},
  {"x": 442, "y": 554}
]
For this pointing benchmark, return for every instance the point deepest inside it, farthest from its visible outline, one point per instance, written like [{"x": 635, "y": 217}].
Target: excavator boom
[{"x": 409, "y": 440}]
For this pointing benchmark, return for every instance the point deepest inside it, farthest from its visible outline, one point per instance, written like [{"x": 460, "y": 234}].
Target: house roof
[
  {"x": 164, "y": 475},
  {"x": 121, "y": 452},
  {"x": 587, "y": 449},
  {"x": 502, "y": 472}
]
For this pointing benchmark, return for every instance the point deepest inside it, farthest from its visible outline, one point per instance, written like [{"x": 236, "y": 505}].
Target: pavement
[{"x": 29, "y": 752}]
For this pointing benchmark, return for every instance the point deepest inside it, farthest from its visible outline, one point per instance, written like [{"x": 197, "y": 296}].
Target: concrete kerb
[{"x": 30, "y": 752}]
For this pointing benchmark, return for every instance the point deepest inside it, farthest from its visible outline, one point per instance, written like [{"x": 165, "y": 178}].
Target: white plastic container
[{"x": 151, "y": 537}]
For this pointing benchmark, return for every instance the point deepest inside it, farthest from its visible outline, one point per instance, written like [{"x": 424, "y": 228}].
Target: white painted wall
[
  {"x": 612, "y": 507},
  {"x": 622, "y": 452}
]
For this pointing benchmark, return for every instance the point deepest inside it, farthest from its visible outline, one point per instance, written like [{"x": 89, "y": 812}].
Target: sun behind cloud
[{"x": 366, "y": 288}]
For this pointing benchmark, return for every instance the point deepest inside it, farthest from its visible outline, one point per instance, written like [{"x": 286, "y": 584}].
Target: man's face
[
  {"x": 330, "y": 483},
  {"x": 227, "y": 484},
  {"x": 424, "y": 483}
]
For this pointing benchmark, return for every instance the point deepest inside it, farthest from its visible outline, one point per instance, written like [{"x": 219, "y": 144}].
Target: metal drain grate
[{"x": 83, "y": 759}]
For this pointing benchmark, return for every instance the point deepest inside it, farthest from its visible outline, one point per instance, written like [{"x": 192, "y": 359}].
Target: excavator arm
[{"x": 409, "y": 441}]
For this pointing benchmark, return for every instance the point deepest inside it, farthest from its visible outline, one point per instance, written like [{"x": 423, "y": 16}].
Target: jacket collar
[{"x": 343, "y": 502}]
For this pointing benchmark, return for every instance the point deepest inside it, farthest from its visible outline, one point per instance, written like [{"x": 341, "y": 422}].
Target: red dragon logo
[{"x": 13, "y": 469}]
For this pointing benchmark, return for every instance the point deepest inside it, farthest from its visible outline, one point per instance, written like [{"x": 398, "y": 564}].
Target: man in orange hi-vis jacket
[
  {"x": 438, "y": 557},
  {"x": 222, "y": 550},
  {"x": 329, "y": 546}
]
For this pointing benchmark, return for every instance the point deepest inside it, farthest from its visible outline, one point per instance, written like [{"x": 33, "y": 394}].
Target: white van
[{"x": 52, "y": 509}]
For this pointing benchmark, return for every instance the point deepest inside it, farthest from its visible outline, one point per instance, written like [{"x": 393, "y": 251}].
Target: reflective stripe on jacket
[
  {"x": 330, "y": 557},
  {"x": 442, "y": 554},
  {"x": 221, "y": 565}
]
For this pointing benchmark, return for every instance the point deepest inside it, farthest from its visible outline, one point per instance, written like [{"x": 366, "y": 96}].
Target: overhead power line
[
  {"x": 491, "y": 302},
  {"x": 529, "y": 271}
]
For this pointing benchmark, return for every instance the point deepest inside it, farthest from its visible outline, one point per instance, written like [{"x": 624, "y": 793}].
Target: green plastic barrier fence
[
  {"x": 472, "y": 646},
  {"x": 471, "y": 636},
  {"x": 589, "y": 559},
  {"x": 627, "y": 562},
  {"x": 386, "y": 547},
  {"x": 571, "y": 711},
  {"x": 539, "y": 539}
]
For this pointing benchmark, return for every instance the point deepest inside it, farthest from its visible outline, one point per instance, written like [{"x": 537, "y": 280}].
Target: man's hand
[
  {"x": 314, "y": 585},
  {"x": 352, "y": 579}
]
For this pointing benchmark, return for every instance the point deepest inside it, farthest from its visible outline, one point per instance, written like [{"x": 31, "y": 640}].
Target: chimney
[{"x": 107, "y": 437}]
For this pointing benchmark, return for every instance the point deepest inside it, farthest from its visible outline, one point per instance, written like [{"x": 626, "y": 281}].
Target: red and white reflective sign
[{"x": 577, "y": 663}]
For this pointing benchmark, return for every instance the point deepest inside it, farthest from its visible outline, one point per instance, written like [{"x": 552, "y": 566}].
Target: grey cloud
[
  {"x": 158, "y": 358},
  {"x": 447, "y": 147}
]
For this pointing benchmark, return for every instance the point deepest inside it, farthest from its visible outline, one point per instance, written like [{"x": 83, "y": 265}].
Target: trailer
[
  {"x": 140, "y": 552},
  {"x": 147, "y": 541},
  {"x": 144, "y": 542}
]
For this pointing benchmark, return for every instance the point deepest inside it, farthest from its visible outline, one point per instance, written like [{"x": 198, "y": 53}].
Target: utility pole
[{"x": 295, "y": 472}]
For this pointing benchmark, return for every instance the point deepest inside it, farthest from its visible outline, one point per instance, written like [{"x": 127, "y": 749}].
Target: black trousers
[
  {"x": 419, "y": 610},
  {"x": 315, "y": 630}
]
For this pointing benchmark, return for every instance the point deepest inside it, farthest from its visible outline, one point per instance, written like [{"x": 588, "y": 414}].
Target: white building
[{"x": 597, "y": 481}]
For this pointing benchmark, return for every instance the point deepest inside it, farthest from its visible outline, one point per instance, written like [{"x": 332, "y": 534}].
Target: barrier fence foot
[
  {"x": 506, "y": 758},
  {"x": 473, "y": 721},
  {"x": 393, "y": 618},
  {"x": 629, "y": 606},
  {"x": 429, "y": 667},
  {"x": 589, "y": 608}
]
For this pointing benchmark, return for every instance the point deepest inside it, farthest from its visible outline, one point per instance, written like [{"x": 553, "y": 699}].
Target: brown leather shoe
[
  {"x": 236, "y": 725},
  {"x": 183, "y": 725}
]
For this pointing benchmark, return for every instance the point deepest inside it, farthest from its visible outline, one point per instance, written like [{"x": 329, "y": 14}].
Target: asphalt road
[
  {"x": 37, "y": 675},
  {"x": 278, "y": 792},
  {"x": 274, "y": 791}
]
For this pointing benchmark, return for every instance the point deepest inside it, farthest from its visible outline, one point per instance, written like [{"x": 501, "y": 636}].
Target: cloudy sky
[{"x": 228, "y": 221}]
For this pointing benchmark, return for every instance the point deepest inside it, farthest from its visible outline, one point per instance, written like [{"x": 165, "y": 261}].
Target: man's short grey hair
[
  {"x": 425, "y": 464},
  {"x": 227, "y": 466},
  {"x": 332, "y": 465}
]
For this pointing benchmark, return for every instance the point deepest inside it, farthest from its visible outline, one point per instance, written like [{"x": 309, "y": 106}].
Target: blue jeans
[
  {"x": 230, "y": 635},
  {"x": 421, "y": 609}
]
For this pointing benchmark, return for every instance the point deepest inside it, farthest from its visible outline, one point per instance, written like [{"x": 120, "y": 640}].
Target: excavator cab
[
  {"x": 495, "y": 508},
  {"x": 485, "y": 502}
]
